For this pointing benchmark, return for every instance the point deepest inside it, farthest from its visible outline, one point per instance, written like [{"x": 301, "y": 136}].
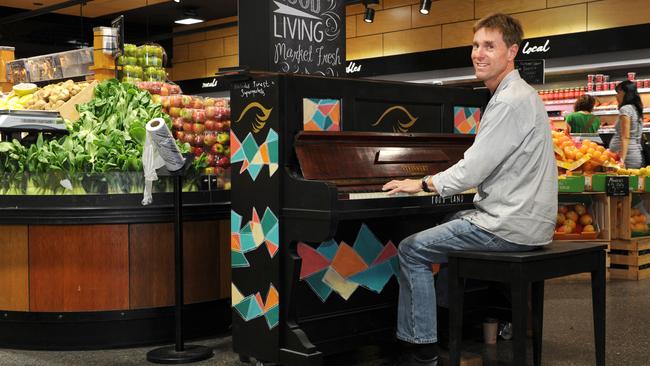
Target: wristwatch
[{"x": 425, "y": 185}]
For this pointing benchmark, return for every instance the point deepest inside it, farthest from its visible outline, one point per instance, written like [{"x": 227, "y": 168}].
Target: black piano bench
[{"x": 523, "y": 270}]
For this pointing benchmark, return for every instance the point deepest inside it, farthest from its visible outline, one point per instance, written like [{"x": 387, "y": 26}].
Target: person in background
[
  {"x": 581, "y": 120},
  {"x": 511, "y": 164},
  {"x": 629, "y": 126}
]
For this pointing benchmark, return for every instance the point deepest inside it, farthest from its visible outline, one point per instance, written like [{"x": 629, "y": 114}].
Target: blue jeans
[{"x": 416, "y": 313}]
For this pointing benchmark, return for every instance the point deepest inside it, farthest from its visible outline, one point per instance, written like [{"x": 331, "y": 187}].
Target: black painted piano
[{"x": 313, "y": 238}]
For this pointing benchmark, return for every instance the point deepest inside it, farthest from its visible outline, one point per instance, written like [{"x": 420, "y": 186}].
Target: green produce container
[
  {"x": 598, "y": 182},
  {"x": 634, "y": 183},
  {"x": 571, "y": 184}
]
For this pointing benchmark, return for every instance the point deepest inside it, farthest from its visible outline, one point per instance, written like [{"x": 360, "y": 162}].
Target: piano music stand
[{"x": 179, "y": 353}]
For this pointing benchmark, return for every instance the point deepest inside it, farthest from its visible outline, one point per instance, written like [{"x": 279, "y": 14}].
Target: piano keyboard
[{"x": 381, "y": 194}]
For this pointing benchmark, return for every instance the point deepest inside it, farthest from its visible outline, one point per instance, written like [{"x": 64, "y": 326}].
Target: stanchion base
[{"x": 169, "y": 355}]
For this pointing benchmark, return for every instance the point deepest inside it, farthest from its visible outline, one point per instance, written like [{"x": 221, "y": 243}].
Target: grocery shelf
[
  {"x": 613, "y": 112},
  {"x": 613, "y": 92},
  {"x": 562, "y": 101}
]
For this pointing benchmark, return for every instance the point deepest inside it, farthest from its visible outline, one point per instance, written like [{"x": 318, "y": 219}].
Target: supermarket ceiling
[
  {"x": 35, "y": 29},
  {"x": 156, "y": 12}
]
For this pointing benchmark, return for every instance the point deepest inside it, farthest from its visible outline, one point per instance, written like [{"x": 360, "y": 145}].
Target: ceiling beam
[{"x": 41, "y": 11}]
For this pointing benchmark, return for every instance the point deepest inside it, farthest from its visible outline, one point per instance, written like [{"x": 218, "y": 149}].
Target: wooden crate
[
  {"x": 630, "y": 259},
  {"x": 599, "y": 206},
  {"x": 69, "y": 109},
  {"x": 620, "y": 221}
]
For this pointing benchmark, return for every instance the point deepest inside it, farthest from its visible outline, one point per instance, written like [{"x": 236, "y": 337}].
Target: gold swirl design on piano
[
  {"x": 260, "y": 120},
  {"x": 401, "y": 126}
]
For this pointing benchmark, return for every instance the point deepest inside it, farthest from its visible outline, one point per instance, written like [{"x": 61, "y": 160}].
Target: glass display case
[{"x": 55, "y": 66}]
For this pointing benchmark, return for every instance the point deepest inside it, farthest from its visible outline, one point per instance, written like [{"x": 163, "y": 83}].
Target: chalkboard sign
[
  {"x": 617, "y": 185},
  {"x": 308, "y": 36},
  {"x": 531, "y": 70}
]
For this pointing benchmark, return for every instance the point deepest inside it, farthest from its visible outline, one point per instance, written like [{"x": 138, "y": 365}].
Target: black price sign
[
  {"x": 617, "y": 186},
  {"x": 531, "y": 70}
]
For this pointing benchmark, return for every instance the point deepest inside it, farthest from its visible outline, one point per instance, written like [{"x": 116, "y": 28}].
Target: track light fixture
[
  {"x": 425, "y": 6},
  {"x": 369, "y": 15}
]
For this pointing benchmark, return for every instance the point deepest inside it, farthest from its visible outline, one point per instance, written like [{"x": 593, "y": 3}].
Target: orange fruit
[
  {"x": 580, "y": 209},
  {"x": 562, "y": 209},
  {"x": 572, "y": 215},
  {"x": 588, "y": 229},
  {"x": 586, "y": 219},
  {"x": 560, "y": 219}
]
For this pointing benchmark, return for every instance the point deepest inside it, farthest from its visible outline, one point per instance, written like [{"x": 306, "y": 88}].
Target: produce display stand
[{"x": 179, "y": 353}]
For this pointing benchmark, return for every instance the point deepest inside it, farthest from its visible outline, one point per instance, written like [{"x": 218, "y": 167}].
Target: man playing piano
[{"x": 511, "y": 163}]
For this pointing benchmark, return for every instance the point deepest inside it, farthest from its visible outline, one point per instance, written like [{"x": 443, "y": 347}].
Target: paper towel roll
[{"x": 165, "y": 144}]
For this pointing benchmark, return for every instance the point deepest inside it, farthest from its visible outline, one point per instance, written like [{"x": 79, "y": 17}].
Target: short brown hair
[
  {"x": 510, "y": 27},
  {"x": 584, "y": 103}
]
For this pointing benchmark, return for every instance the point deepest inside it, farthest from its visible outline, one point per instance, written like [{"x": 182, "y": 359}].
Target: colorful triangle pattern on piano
[
  {"x": 466, "y": 119},
  {"x": 251, "y": 307},
  {"x": 321, "y": 114},
  {"x": 341, "y": 268},
  {"x": 253, "y": 156},
  {"x": 254, "y": 233}
]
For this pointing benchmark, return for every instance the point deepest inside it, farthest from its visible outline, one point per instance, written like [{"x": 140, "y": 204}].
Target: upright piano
[{"x": 313, "y": 238}]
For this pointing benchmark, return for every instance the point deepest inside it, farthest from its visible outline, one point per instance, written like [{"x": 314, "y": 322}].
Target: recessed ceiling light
[{"x": 186, "y": 21}]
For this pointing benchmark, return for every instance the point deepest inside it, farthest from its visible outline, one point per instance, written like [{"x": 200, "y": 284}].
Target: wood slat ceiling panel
[{"x": 92, "y": 9}]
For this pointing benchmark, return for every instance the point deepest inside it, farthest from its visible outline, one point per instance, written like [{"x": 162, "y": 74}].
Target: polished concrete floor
[{"x": 568, "y": 335}]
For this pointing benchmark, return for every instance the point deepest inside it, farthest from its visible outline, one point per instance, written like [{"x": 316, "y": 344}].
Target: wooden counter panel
[
  {"x": 151, "y": 253},
  {"x": 78, "y": 267},
  {"x": 225, "y": 277},
  {"x": 201, "y": 261},
  {"x": 14, "y": 273}
]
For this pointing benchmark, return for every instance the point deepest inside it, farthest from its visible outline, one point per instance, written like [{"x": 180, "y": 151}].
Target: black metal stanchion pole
[{"x": 179, "y": 353}]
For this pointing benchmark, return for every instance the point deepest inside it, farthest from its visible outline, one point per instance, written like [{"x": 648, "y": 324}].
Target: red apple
[
  {"x": 198, "y": 128},
  {"x": 164, "y": 90},
  {"x": 177, "y": 123},
  {"x": 198, "y": 115},
  {"x": 210, "y": 111},
  {"x": 174, "y": 89},
  {"x": 175, "y": 100},
  {"x": 174, "y": 111},
  {"x": 209, "y": 124},
  {"x": 180, "y": 136},
  {"x": 224, "y": 162},
  {"x": 211, "y": 160},
  {"x": 197, "y": 151},
  {"x": 187, "y": 127},
  {"x": 218, "y": 126},
  {"x": 226, "y": 125},
  {"x": 197, "y": 103},
  {"x": 189, "y": 138},
  {"x": 198, "y": 140},
  {"x": 209, "y": 139}
]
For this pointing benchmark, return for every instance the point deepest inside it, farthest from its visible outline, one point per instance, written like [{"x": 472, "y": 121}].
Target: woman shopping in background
[
  {"x": 582, "y": 121},
  {"x": 629, "y": 126}
]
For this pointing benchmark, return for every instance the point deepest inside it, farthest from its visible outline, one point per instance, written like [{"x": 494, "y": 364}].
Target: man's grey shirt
[{"x": 512, "y": 165}]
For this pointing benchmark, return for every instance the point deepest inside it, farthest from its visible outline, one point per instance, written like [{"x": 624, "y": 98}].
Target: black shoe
[{"x": 409, "y": 359}]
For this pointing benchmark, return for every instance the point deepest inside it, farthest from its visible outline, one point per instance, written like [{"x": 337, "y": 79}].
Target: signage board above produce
[
  {"x": 306, "y": 36},
  {"x": 549, "y": 47}
]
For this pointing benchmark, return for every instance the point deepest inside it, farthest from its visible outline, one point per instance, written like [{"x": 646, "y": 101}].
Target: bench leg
[
  {"x": 538, "y": 320},
  {"x": 598, "y": 303},
  {"x": 456, "y": 291},
  {"x": 519, "y": 317}
]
